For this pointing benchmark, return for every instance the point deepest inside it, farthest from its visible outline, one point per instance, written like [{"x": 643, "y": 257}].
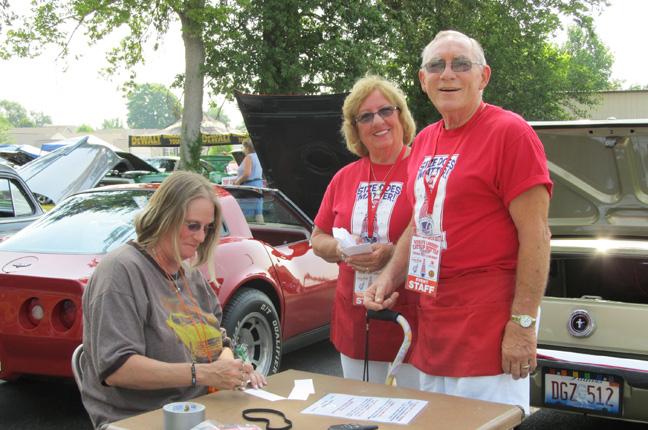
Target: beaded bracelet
[{"x": 193, "y": 374}]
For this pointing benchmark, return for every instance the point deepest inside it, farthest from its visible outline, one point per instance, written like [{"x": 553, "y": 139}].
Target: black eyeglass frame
[
  {"x": 383, "y": 112},
  {"x": 459, "y": 64}
]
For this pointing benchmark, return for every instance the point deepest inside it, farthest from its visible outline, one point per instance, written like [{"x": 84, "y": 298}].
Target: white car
[{"x": 593, "y": 333}]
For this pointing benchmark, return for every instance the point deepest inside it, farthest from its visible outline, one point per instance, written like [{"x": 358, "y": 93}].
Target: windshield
[{"x": 89, "y": 223}]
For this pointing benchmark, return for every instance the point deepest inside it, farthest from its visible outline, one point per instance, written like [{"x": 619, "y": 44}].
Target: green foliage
[
  {"x": 193, "y": 163},
  {"x": 295, "y": 46},
  {"x": 111, "y": 124},
  {"x": 40, "y": 119},
  {"x": 12, "y": 111},
  {"x": 85, "y": 129},
  {"x": 152, "y": 106},
  {"x": 25, "y": 122},
  {"x": 218, "y": 114},
  {"x": 16, "y": 114},
  {"x": 529, "y": 73},
  {"x": 5, "y": 129},
  {"x": 314, "y": 46}
]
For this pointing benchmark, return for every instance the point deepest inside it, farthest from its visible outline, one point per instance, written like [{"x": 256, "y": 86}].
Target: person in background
[
  {"x": 480, "y": 186},
  {"x": 250, "y": 174},
  {"x": 152, "y": 330},
  {"x": 368, "y": 199}
]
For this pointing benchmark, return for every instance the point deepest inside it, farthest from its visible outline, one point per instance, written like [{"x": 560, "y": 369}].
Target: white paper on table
[
  {"x": 381, "y": 409},
  {"x": 263, "y": 394},
  {"x": 303, "y": 388}
]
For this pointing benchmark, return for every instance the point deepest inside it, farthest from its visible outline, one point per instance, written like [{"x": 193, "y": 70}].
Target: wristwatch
[{"x": 525, "y": 321}]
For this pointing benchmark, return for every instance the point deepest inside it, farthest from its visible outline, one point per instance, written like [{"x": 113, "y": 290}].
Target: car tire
[{"x": 252, "y": 323}]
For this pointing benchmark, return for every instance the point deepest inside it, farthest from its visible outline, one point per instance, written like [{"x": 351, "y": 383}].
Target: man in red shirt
[{"x": 480, "y": 188}]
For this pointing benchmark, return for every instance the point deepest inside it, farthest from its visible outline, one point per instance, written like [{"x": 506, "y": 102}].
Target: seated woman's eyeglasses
[
  {"x": 438, "y": 66},
  {"x": 368, "y": 117},
  {"x": 194, "y": 227}
]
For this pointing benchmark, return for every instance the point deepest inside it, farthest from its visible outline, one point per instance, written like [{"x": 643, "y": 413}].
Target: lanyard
[
  {"x": 372, "y": 208},
  {"x": 202, "y": 324},
  {"x": 431, "y": 194}
]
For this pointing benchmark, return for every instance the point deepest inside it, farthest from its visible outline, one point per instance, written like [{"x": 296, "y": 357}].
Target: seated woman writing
[{"x": 152, "y": 330}]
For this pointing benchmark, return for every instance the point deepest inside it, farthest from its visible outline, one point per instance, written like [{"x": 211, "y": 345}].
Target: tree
[
  {"x": 16, "y": 114},
  {"x": 296, "y": 46},
  {"x": 25, "y": 122},
  {"x": 40, "y": 119},
  {"x": 111, "y": 124},
  {"x": 85, "y": 129},
  {"x": 5, "y": 129},
  {"x": 152, "y": 106},
  {"x": 218, "y": 114},
  {"x": 12, "y": 111},
  {"x": 56, "y": 22},
  {"x": 530, "y": 73}
]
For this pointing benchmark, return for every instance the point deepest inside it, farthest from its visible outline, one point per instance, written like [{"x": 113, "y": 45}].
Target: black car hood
[
  {"x": 600, "y": 175},
  {"x": 298, "y": 141}
]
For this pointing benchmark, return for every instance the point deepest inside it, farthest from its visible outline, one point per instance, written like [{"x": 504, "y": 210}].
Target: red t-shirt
[
  {"x": 498, "y": 158},
  {"x": 345, "y": 206}
]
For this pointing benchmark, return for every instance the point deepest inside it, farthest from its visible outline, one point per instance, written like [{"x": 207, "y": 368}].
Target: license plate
[{"x": 583, "y": 391}]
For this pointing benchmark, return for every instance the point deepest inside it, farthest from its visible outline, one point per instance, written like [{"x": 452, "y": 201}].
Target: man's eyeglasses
[
  {"x": 368, "y": 117},
  {"x": 438, "y": 66},
  {"x": 194, "y": 227}
]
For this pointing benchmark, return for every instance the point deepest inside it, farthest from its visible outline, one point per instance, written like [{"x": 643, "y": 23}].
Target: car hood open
[
  {"x": 75, "y": 167},
  {"x": 298, "y": 141},
  {"x": 600, "y": 175}
]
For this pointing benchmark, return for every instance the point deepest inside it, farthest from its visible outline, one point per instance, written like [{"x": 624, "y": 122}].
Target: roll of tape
[{"x": 183, "y": 415}]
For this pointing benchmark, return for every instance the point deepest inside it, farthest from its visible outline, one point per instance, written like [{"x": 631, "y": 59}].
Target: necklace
[
  {"x": 390, "y": 169},
  {"x": 374, "y": 174}
]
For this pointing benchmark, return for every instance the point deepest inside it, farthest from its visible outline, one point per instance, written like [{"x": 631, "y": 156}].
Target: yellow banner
[{"x": 174, "y": 140}]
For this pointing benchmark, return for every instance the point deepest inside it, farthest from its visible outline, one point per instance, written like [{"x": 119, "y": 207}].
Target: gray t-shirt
[{"x": 130, "y": 307}]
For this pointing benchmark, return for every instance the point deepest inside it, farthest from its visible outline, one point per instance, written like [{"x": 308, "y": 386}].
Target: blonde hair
[
  {"x": 359, "y": 93},
  {"x": 247, "y": 144},
  {"x": 166, "y": 211}
]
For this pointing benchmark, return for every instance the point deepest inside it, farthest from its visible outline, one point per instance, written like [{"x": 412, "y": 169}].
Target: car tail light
[
  {"x": 35, "y": 311},
  {"x": 68, "y": 313}
]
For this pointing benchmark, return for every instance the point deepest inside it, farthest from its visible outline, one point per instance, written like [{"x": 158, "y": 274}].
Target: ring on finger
[{"x": 526, "y": 366}]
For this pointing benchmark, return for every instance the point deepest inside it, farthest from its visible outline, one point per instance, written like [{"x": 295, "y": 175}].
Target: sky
[{"x": 72, "y": 92}]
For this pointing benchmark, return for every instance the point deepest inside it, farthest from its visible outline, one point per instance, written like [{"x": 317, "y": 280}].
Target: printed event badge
[
  {"x": 362, "y": 282},
  {"x": 424, "y": 263}
]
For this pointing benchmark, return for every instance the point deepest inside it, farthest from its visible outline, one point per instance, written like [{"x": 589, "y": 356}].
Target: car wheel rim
[{"x": 255, "y": 332}]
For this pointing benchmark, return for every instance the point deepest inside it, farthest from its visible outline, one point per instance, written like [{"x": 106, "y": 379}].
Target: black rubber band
[{"x": 267, "y": 421}]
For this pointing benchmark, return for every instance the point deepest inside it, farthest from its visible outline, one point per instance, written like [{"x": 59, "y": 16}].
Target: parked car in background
[
  {"x": 167, "y": 164},
  {"x": 18, "y": 206},
  {"x": 276, "y": 294},
  {"x": 18, "y": 155},
  {"x": 593, "y": 336},
  {"x": 80, "y": 164}
]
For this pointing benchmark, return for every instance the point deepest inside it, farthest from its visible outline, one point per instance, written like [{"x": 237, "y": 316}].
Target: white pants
[
  {"x": 408, "y": 376},
  {"x": 498, "y": 388}
]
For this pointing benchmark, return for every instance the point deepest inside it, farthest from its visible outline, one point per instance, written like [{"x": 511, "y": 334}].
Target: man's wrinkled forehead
[{"x": 461, "y": 48}]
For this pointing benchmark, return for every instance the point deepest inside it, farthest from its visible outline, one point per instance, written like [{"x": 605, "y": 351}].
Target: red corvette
[{"x": 276, "y": 294}]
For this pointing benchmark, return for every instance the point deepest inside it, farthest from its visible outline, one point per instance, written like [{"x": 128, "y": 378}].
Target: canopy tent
[{"x": 213, "y": 133}]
